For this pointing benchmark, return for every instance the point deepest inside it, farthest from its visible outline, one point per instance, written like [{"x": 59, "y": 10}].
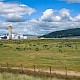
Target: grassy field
[
  {"x": 42, "y": 53},
  {"x": 10, "y": 76}
]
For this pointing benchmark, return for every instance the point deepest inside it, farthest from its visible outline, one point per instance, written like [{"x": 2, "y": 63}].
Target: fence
[{"x": 67, "y": 75}]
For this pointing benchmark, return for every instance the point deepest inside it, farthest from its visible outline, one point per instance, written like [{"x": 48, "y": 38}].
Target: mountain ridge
[{"x": 63, "y": 33}]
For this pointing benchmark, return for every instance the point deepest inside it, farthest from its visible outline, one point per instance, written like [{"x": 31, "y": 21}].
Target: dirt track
[{"x": 68, "y": 73}]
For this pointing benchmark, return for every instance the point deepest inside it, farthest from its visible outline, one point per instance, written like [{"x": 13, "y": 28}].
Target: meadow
[{"x": 57, "y": 53}]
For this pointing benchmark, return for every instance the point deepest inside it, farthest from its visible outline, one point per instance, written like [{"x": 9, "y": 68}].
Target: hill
[
  {"x": 28, "y": 35},
  {"x": 63, "y": 33}
]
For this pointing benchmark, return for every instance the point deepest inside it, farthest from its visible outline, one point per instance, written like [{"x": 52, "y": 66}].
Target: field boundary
[{"x": 63, "y": 74}]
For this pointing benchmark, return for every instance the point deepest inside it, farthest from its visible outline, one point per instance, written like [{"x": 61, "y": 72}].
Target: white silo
[{"x": 10, "y": 32}]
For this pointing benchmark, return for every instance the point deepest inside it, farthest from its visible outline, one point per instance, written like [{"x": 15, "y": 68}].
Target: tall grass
[{"x": 10, "y": 76}]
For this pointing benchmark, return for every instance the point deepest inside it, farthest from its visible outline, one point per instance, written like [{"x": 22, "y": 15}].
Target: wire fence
[{"x": 67, "y": 75}]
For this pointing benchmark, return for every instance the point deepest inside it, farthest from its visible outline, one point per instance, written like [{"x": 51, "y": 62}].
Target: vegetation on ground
[
  {"x": 10, "y": 76},
  {"x": 42, "y": 53}
]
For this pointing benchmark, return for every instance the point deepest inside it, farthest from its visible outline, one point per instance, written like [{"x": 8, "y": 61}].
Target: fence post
[
  {"x": 50, "y": 69},
  {"x": 7, "y": 67},
  {"x": 34, "y": 69},
  {"x": 21, "y": 68},
  {"x": 66, "y": 72},
  {"x": 0, "y": 67}
]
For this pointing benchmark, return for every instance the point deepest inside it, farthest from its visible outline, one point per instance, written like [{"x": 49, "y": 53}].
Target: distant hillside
[
  {"x": 28, "y": 35},
  {"x": 63, "y": 33}
]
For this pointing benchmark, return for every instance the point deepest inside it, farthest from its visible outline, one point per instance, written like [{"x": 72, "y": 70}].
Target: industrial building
[{"x": 13, "y": 36}]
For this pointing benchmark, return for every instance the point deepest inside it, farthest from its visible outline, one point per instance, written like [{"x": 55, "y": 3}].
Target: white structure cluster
[{"x": 16, "y": 36}]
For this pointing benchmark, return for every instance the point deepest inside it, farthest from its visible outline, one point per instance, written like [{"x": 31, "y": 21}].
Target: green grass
[
  {"x": 42, "y": 53},
  {"x": 10, "y": 76}
]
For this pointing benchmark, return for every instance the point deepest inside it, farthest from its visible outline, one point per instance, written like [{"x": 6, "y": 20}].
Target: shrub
[{"x": 37, "y": 49}]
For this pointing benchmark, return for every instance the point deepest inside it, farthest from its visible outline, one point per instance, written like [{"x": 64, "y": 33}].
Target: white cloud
[
  {"x": 36, "y": 27},
  {"x": 64, "y": 13},
  {"x": 51, "y": 15},
  {"x": 56, "y": 18},
  {"x": 72, "y": 1},
  {"x": 47, "y": 15},
  {"x": 48, "y": 22},
  {"x": 14, "y": 18},
  {"x": 14, "y": 11},
  {"x": 77, "y": 18}
]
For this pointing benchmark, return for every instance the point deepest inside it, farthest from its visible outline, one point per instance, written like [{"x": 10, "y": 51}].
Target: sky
[{"x": 39, "y": 17}]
